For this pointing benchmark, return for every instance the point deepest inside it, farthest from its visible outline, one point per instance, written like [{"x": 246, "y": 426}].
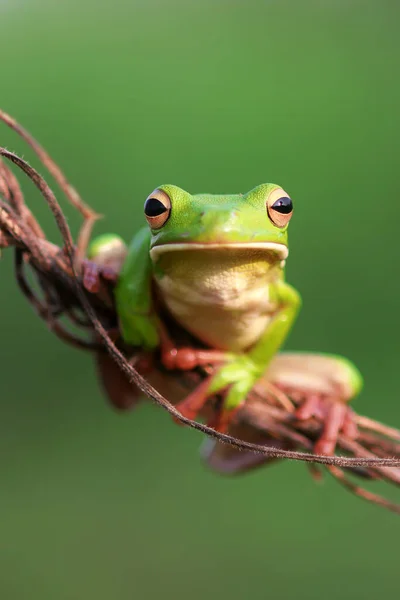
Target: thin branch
[
  {"x": 362, "y": 492},
  {"x": 16, "y": 199},
  {"x": 89, "y": 215}
]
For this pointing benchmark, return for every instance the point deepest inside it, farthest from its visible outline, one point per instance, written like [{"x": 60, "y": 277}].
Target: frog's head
[{"x": 258, "y": 219}]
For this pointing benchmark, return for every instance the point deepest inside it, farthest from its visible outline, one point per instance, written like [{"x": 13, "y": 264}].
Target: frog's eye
[
  {"x": 157, "y": 209},
  {"x": 279, "y": 207}
]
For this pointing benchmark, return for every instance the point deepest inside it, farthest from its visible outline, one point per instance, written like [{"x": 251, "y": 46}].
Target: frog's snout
[{"x": 218, "y": 221}]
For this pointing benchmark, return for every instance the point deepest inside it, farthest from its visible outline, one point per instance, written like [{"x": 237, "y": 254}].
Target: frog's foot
[
  {"x": 224, "y": 418},
  {"x": 336, "y": 416},
  {"x": 233, "y": 380},
  {"x": 191, "y": 406},
  {"x": 186, "y": 359},
  {"x": 93, "y": 273}
]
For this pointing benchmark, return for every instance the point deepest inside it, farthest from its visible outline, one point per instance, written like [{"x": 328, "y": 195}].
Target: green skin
[{"x": 209, "y": 230}]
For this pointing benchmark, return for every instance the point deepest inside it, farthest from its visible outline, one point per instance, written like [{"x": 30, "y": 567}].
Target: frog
[{"x": 216, "y": 264}]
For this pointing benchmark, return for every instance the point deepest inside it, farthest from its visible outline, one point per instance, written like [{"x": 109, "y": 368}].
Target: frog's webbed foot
[
  {"x": 231, "y": 382},
  {"x": 192, "y": 405},
  {"x": 224, "y": 418},
  {"x": 336, "y": 418},
  {"x": 195, "y": 402},
  {"x": 186, "y": 359}
]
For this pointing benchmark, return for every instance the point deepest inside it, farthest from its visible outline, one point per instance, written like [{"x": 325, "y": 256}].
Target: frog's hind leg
[{"x": 321, "y": 385}]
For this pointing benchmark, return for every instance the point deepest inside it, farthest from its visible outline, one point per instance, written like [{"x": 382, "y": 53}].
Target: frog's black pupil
[
  {"x": 154, "y": 208},
  {"x": 283, "y": 205}
]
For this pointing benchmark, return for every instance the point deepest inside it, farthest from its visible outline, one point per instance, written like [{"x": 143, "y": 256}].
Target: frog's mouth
[{"x": 278, "y": 251}]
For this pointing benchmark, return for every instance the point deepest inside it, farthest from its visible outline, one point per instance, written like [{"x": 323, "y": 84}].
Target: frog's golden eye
[
  {"x": 157, "y": 209},
  {"x": 279, "y": 207}
]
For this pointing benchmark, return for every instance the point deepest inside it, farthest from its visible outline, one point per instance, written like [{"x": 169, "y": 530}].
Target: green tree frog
[{"x": 216, "y": 263}]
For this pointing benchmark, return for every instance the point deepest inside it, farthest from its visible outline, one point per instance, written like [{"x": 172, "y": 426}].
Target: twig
[
  {"x": 362, "y": 492},
  {"x": 89, "y": 215}
]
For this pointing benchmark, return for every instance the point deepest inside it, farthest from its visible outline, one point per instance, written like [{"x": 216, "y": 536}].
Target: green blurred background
[{"x": 214, "y": 96}]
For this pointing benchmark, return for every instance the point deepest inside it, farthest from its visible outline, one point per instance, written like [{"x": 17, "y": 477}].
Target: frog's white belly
[{"x": 225, "y": 303}]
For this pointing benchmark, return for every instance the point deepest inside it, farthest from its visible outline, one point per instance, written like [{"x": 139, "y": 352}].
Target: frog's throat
[{"x": 279, "y": 249}]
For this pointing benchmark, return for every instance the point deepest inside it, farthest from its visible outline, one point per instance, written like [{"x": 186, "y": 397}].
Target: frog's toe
[
  {"x": 234, "y": 394},
  {"x": 335, "y": 417},
  {"x": 192, "y": 405},
  {"x": 234, "y": 398},
  {"x": 223, "y": 419}
]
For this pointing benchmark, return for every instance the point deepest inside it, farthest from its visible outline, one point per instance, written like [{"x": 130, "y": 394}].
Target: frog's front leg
[
  {"x": 134, "y": 298},
  {"x": 240, "y": 372}
]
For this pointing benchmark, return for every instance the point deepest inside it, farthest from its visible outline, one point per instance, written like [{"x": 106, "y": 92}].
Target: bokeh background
[{"x": 217, "y": 96}]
